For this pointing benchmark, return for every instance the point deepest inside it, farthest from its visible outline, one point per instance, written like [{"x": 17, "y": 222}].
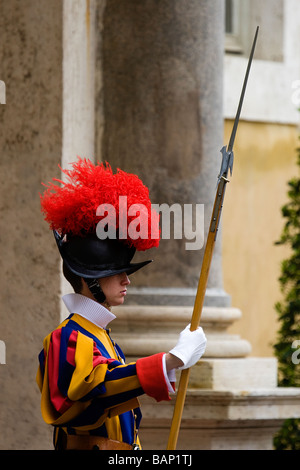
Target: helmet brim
[
  {"x": 84, "y": 271},
  {"x": 92, "y": 258}
]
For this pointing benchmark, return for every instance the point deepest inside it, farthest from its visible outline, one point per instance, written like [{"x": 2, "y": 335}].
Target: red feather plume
[{"x": 70, "y": 206}]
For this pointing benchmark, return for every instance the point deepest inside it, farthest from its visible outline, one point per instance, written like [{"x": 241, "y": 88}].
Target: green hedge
[{"x": 287, "y": 347}]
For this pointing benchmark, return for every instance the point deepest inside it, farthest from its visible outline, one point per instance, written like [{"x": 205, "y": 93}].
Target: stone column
[
  {"x": 79, "y": 61},
  {"x": 162, "y": 107}
]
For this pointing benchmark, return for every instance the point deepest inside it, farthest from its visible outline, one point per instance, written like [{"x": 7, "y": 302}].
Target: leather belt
[{"x": 87, "y": 442}]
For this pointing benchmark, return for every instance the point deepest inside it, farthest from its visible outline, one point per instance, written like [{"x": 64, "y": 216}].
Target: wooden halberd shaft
[{"x": 198, "y": 306}]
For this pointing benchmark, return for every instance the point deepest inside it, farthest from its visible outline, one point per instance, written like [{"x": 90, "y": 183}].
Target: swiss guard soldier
[{"x": 88, "y": 391}]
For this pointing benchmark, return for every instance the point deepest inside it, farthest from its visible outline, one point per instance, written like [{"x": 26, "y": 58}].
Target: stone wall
[{"x": 30, "y": 143}]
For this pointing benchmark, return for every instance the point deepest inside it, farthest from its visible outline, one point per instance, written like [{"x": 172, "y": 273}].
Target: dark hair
[{"x": 73, "y": 279}]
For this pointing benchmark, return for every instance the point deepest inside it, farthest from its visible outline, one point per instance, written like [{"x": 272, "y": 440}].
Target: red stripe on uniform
[{"x": 60, "y": 403}]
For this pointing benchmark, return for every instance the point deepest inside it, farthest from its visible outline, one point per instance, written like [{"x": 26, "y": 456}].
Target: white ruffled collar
[{"x": 89, "y": 309}]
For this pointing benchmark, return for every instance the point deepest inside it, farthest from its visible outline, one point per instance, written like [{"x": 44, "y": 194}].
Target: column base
[
  {"x": 220, "y": 420},
  {"x": 144, "y": 330},
  {"x": 232, "y": 401},
  {"x": 250, "y": 373}
]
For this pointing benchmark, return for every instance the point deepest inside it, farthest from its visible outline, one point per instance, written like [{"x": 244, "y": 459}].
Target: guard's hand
[{"x": 190, "y": 346}]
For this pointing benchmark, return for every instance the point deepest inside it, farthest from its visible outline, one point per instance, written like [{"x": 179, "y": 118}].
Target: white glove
[{"x": 190, "y": 346}]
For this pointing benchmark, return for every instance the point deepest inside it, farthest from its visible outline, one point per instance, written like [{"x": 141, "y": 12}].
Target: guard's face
[{"x": 115, "y": 288}]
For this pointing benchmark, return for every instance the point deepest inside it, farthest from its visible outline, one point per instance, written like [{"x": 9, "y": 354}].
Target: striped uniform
[{"x": 86, "y": 386}]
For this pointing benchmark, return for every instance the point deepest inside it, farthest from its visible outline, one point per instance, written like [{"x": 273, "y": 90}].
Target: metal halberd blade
[{"x": 227, "y": 154}]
